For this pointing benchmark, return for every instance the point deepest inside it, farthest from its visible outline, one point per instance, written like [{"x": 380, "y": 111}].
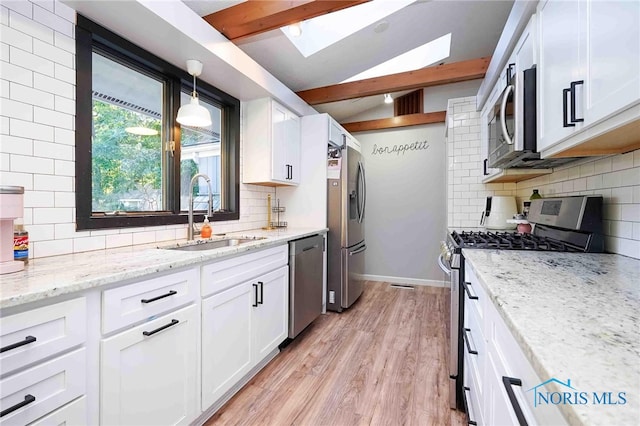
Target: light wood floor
[{"x": 384, "y": 361}]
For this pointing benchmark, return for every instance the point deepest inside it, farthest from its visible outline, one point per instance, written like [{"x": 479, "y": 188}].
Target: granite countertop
[
  {"x": 58, "y": 275},
  {"x": 575, "y": 316}
]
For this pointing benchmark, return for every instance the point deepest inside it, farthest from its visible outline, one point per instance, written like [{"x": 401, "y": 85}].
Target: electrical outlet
[{"x": 332, "y": 297}]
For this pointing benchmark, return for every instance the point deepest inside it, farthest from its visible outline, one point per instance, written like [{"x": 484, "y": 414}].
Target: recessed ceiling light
[
  {"x": 295, "y": 29},
  {"x": 381, "y": 27}
]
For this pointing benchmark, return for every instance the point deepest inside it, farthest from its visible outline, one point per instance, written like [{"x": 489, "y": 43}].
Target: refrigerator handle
[
  {"x": 360, "y": 250},
  {"x": 361, "y": 194},
  {"x": 364, "y": 190}
]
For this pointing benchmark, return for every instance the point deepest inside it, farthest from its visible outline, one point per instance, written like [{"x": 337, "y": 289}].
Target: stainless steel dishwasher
[{"x": 305, "y": 282}]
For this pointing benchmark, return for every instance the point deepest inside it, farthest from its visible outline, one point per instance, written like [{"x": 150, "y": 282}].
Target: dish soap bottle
[
  {"x": 536, "y": 195},
  {"x": 205, "y": 231}
]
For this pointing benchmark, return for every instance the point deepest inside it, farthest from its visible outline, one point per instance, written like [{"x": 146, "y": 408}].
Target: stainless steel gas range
[{"x": 566, "y": 224}]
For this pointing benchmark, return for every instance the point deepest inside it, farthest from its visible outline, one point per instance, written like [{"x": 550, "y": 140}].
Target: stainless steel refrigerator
[{"x": 346, "y": 201}]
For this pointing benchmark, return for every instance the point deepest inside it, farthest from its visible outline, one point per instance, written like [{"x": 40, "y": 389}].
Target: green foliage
[{"x": 125, "y": 166}]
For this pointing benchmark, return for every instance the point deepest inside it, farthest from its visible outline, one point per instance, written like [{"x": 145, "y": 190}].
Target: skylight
[
  {"x": 325, "y": 30},
  {"x": 420, "y": 57}
]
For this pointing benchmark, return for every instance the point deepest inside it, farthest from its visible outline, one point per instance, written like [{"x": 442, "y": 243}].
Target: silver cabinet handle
[{"x": 503, "y": 114}]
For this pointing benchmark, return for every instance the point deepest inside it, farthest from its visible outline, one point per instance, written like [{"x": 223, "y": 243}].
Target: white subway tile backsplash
[
  {"x": 15, "y": 109},
  {"x": 38, "y": 199},
  {"x": 4, "y": 15},
  {"x": 53, "y": 53},
  {"x": 30, "y": 95},
  {"x": 29, "y": 164},
  {"x": 52, "y": 248},
  {"x": 630, "y": 177},
  {"x": 65, "y": 42},
  {"x": 18, "y": 179},
  {"x": 603, "y": 165},
  {"x": 53, "y": 21},
  {"x": 622, "y": 161},
  {"x": 40, "y": 232},
  {"x": 65, "y": 137},
  {"x": 16, "y": 38},
  {"x": 52, "y": 150},
  {"x": 630, "y": 212},
  {"x": 5, "y": 162},
  {"x": 15, "y": 74},
  {"x": 64, "y": 73},
  {"x": 65, "y": 168},
  {"x": 5, "y": 125},
  {"x": 53, "y": 118},
  {"x": 166, "y": 235},
  {"x": 587, "y": 169},
  {"x": 22, "y": 7},
  {"x": 65, "y": 12},
  {"x": 52, "y": 215},
  {"x": 51, "y": 85},
  {"x": 65, "y": 199},
  {"x": 89, "y": 244},
  {"x": 145, "y": 237},
  {"x": 636, "y": 231},
  {"x": 594, "y": 182},
  {"x": 64, "y": 105},
  {"x": 621, "y": 229},
  {"x": 4, "y": 52},
  {"x": 622, "y": 195},
  {"x": 52, "y": 183},
  {"x": 30, "y": 61},
  {"x": 636, "y": 194},
  {"x": 29, "y": 130}
]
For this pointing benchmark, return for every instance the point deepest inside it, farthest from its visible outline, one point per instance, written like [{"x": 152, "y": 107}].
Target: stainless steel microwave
[{"x": 512, "y": 123}]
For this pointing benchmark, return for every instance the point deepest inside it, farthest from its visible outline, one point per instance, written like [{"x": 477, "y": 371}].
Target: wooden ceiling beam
[
  {"x": 424, "y": 77},
  {"x": 393, "y": 122},
  {"x": 257, "y": 16}
]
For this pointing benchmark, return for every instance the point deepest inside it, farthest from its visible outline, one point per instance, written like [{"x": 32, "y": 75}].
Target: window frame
[{"x": 90, "y": 34}]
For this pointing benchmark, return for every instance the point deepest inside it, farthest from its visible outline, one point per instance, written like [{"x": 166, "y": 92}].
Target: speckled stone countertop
[
  {"x": 575, "y": 316},
  {"x": 58, "y": 275}
]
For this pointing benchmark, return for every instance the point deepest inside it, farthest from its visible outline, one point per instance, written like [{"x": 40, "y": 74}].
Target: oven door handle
[
  {"x": 503, "y": 114},
  {"x": 443, "y": 265}
]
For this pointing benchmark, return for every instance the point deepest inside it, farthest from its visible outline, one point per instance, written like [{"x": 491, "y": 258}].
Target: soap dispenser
[{"x": 205, "y": 231}]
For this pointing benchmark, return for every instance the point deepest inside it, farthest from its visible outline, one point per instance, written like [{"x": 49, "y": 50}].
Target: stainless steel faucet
[{"x": 193, "y": 181}]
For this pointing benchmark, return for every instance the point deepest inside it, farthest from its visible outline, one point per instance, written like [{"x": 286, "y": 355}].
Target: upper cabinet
[
  {"x": 271, "y": 144},
  {"x": 589, "y": 77}
]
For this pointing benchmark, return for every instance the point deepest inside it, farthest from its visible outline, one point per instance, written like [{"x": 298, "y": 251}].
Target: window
[{"x": 134, "y": 163}]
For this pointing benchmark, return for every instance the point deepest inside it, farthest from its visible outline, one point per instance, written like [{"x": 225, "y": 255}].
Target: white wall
[
  {"x": 405, "y": 212},
  {"x": 37, "y": 136},
  {"x": 616, "y": 178}
]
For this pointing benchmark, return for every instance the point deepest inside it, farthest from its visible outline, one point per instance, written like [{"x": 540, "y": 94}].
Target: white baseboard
[{"x": 402, "y": 280}]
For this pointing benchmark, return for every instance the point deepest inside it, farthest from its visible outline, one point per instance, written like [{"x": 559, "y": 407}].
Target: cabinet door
[
  {"x": 559, "y": 66},
  {"x": 279, "y": 124},
  {"x": 148, "y": 373},
  {"x": 293, "y": 148},
  {"x": 226, "y": 341},
  {"x": 611, "y": 54},
  {"x": 271, "y": 316}
]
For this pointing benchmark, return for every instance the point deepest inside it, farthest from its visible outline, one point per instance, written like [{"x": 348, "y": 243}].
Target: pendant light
[
  {"x": 387, "y": 98},
  {"x": 193, "y": 114}
]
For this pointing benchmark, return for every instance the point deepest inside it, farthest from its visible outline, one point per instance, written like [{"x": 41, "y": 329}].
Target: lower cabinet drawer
[
  {"x": 225, "y": 274},
  {"x": 472, "y": 399},
  {"x": 31, "y": 336},
  {"x": 72, "y": 414},
  {"x": 33, "y": 393}
]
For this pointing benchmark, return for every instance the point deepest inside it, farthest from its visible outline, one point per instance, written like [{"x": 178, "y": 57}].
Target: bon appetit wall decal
[{"x": 400, "y": 149}]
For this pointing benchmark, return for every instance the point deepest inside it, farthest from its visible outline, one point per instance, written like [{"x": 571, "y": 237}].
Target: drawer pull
[
  {"x": 466, "y": 341},
  {"x": 151, "y": 333},
  {"x": 171, "y": 293},
  {"x": 255, "y": 287},
  {"x": 26, "y": 341},
  {"x": 28, "y": 399},
  {"x": 466, "y": 407},
  {"x": 467, "y": 289},
  {"x": 508, "y": 383}
]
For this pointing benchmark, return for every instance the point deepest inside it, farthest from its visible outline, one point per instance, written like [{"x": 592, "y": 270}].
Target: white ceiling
[{"x": 475, "y": 26}]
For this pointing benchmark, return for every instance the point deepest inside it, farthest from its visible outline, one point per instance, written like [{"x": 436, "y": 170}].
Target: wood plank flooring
[{"x": 384, "y": 361}]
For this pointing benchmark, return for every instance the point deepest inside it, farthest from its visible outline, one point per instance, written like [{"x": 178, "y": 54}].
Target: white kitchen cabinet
[
  {"x": 498, "y": 358},
  {"x": 271, "y": 315},
  {"x": 226, "y": 340},
  {"x": 149, "y": 373},
  {"x": 272, "y": 140},
  {"x": 74, "y": 413},
  {"x": 37, "y": 391},
  {"x": 589, "y": 75},
  {"x": 31, "y": 336}
]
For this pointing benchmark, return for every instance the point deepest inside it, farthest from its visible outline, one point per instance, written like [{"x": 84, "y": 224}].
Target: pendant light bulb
[
  {"x": 193, "y": 114},
  {"x": 387, "y": 98}
]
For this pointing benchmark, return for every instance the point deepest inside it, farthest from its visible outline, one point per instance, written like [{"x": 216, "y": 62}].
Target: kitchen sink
[{"x": 211, "y": 245}]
